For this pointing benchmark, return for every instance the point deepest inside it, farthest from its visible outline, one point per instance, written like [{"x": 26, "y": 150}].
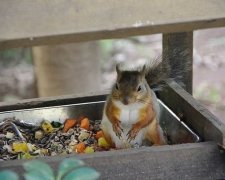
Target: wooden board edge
[
  {"x": 111, "y": 33},
  {"x": 53, "y": 101},
  {"x": 193, "y": 159},
  {"x": 198, "y": 118},
  {"x": 164, "y": 148}
]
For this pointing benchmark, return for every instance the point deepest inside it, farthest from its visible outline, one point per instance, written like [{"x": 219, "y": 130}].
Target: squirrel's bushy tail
[{"x": 158, "y": 72}]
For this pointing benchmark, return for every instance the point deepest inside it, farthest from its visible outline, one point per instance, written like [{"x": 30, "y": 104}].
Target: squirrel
[{"x": 131, "y": 112}]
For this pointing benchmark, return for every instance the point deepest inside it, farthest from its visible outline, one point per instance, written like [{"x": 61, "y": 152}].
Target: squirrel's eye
[
  {"x": 117, "y": 87},
  {"x": 139, "y": 88}
]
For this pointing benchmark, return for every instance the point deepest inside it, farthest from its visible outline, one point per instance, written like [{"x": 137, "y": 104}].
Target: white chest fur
[
  {"x": 129, "y": 113},
  {"x": 128, "y": 116}
]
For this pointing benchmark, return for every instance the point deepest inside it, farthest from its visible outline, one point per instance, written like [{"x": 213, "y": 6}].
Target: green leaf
[
  {"x": 68, "y": 165},
  {"x": 38, "y": 168},
  {"x": 82, "y": 173},
  {"x": 8, "y": 175},
  {"x": 34, "y": 175}
]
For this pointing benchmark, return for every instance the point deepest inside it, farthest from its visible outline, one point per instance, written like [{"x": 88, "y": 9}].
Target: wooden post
[{"x": 178, "y": 51}]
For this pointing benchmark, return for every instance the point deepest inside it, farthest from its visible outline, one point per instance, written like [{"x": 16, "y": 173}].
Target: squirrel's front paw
[
  {"x": 132, "y": 133},
  {"x": 117, "y": 129}
]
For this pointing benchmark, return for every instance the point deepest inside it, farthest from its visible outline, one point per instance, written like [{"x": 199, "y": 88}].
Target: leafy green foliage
[
  {"x": 8, "y": 175},
  {"x": 106, "y": 47},
  {"x": 13, "y": 57},
  {"x": 82, "y": 173},
  {"x": 38, "y": 170},
  {"x": 69, "y": 169},
  {"x": 68, "y": 165}
]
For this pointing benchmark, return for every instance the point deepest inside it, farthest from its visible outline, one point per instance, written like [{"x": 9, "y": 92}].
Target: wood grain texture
[
  {"x": 178, "y": 53},
  {"x": 29, "y": 23},
  {"x": 53, "y": 101},
  {"x": 184, "y": 161}
]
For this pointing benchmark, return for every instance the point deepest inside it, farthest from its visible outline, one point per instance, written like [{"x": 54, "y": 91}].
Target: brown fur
[
  {"x": 126, "y": 91},
  {"x": 113, "y": 114},
  {"x": 154, "y": 133}
]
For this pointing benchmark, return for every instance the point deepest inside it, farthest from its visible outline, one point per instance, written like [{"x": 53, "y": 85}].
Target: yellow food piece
[
  {"x": 26, "y": 156},
  {"x": 102, "y": 142},
  {"x": 47, "y": 127},
  {"x": 39, "y": 134},
  {"x": 20, "y": 147},
  {"x": 89, "y": 149},
  {"x": 44, "y": 152}
]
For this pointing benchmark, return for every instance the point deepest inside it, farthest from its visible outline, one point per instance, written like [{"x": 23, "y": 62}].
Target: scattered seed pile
[{"x": 21, "y": 140}]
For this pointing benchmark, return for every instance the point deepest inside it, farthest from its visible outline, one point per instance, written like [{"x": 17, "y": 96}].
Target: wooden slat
[
  {"x": 53, "y": 101},
  {"x": 178, "y": 54},
  {"x": 198, "y": 118},
  {"x": 28, "y": 23},
  {"x": 185, "y": 161}
]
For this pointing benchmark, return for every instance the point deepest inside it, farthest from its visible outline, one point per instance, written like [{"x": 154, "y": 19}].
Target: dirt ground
[{"x": 17, "y": 80}]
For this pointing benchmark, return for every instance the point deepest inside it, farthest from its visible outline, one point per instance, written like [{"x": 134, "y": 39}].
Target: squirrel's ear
[
  {"x": 118, "y": 69},
  {"x": 143, "y": 71}
]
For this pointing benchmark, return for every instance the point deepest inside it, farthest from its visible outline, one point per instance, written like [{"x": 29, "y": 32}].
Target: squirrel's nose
[{"x": 126, "y": 100}]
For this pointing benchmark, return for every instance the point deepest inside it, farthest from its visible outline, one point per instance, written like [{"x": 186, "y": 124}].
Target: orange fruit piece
[
  {"x": 99, "y": 134},
  {"x": 85, "y": 123},
  {"x": 79, "y": 148},
  {"x": 69, "y": 123}
]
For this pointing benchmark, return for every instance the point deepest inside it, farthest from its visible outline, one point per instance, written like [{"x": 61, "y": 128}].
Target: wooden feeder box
[{"x": 200, "y": 156}]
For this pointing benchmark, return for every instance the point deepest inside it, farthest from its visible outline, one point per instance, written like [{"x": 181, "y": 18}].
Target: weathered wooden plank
[
  {"x": 185, "y": 161},
  {"x": 28, "y": 23},
  {"x": 178, "y": 53},
  {"x": 53, "y": 101},
  {"x": 198, "y": 118}
]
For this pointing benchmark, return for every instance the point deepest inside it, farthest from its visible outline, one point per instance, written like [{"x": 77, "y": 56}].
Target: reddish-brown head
[{"x": 130, "y": 86}]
